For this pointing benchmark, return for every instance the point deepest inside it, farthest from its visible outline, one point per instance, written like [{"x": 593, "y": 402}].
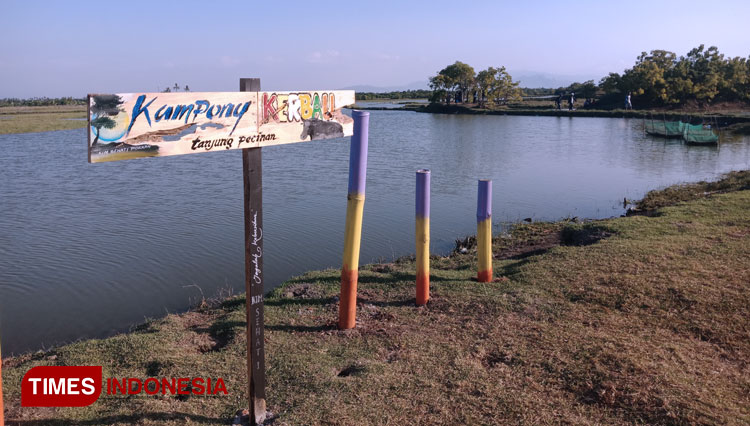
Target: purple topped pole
[
  {"x": 484, "y": 231},
  {"x": 423, "y": 236},
  {"x": 354, "y": 207},
  {"x": 423, "y": 193},
  {"x": 358, "y": 152},
  {"x": 484, "y": 200}
]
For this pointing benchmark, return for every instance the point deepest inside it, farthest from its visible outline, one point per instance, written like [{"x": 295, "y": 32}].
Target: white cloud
[
  {"x": 318, "y": 57},
  {"x": 229, "y": 61},
  {"x": 386, "y": 57}
]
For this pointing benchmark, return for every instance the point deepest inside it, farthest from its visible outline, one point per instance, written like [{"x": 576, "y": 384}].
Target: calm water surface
[{"x": 87, "y": 250}]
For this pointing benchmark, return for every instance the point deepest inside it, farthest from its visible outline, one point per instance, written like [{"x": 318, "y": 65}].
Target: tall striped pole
[
  {"x": 423, "y": 236},
  {"x": 484, "y": 231},
  {"x": 354, "y": 207}
]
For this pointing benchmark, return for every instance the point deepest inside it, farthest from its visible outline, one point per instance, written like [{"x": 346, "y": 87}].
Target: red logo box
[{"x": 61, "y": 386}]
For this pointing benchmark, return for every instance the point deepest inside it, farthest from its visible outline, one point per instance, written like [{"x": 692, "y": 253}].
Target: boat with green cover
[
  {"x": 699, "y": 135},
  {"x": 666, "y": 129}
]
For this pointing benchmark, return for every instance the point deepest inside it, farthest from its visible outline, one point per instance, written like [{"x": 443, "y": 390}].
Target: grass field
[
  {"x": 639, "y": 319},
  {"x": 41, "y": 119}
]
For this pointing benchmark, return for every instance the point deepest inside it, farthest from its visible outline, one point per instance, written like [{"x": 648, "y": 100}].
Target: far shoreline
[
  {"x": 733, "y": 117},
  {"x": 33, "y": 119}
]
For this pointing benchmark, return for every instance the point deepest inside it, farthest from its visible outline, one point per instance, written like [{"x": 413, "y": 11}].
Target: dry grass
[
  {"x": 641, "y": 319},
  {"x": 41, "y": 119},
  {"x": 733, "y": 181}
]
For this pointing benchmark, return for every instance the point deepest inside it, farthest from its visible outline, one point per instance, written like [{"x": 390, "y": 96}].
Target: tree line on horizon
[
  {"x": 401, "y": 94},
  {"x": 704, "y": 76},
  {"x": 42, "y": 101},
  {"x": 658, "y": 78}
]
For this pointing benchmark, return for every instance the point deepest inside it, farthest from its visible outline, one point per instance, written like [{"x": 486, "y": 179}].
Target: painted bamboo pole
[
  {"x": 354, "y": 207},
  {"x": 484, "y": 231},
  {"x": 423, "y": 236}
]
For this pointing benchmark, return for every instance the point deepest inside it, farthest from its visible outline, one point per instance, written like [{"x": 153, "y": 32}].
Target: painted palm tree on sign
[{"x": 104, "y": 108}]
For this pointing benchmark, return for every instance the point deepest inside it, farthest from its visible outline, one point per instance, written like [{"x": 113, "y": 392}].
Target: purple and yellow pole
[
  {"x": 423, "y": 236},
  {"x": 484, "y": 231},
  {"x": 354, "y": 206}
]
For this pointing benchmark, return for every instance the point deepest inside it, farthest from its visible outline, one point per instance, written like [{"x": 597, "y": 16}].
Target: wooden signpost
[
  {"x": 139, "y": 125},
  {"x": 136, "y": 125}
]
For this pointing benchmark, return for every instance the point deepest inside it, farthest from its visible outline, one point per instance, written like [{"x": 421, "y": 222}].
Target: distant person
[
  {"x": 571, "y": 100},
  {"x": 558, "y": 101},
  {"x": 628, "y": 105},
  {"x": 587, "y": 103}
]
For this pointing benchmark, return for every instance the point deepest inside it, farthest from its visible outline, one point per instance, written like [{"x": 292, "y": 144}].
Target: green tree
[
  {"x": 703, "y": 76},
  {"x": 441, "y": 86},
  {"x": 680, "y": 82},
  {"x": 611, "y": 83},
  {"x": 587, "y": 89},
  {"x": 734, "y": 82},
  {"x": 502, "y": 89},
  {"x": 459, "y": 77},
  {"x": 648, "y": 78},
  {"x": 104, "y": 107},
  {"x": 484, "y": 82},
  {"x": 705, "y": 66}
]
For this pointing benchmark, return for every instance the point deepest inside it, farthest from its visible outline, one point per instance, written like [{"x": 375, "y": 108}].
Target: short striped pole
[
  {"x": 423, "y": 236},
  {"x": 354, "y": 207},
  {"x": 484, "y": 231}
]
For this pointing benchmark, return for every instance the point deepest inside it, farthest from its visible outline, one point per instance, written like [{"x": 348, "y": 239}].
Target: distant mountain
[
  {"x": 530, "y": 79},
  {"x": 535, "y": 79},
  {"x": 417, "y": 85}
]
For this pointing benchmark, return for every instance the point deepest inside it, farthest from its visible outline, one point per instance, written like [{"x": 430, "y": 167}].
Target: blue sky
[{"x": 72, "y": 48}]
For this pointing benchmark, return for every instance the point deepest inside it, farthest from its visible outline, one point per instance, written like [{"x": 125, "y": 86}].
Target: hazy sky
[{"x": 72, "y": 48}]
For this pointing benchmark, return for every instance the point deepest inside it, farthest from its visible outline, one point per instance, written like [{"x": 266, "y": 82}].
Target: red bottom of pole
[
  {"x": 484, "y": 276},
  {"x": 423, "y": 288},
  {"x": 348, "y": 299}
]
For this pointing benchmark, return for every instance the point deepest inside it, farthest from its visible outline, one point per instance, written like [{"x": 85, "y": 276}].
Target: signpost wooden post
[
  {"x": 139, "y": 125},
  {"x": 252, "y": 180},
  {"x": 256, "y": 372}
]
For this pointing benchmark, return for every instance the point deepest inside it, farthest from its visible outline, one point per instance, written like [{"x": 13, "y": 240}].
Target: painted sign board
[{"x": 136, "y": 125}]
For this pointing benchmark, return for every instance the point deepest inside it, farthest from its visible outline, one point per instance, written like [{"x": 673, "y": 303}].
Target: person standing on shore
[
  {"x": 571, "y": 100},
  {"x": 628, "y": 105},
  {"x": 558, "y": 101}
]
